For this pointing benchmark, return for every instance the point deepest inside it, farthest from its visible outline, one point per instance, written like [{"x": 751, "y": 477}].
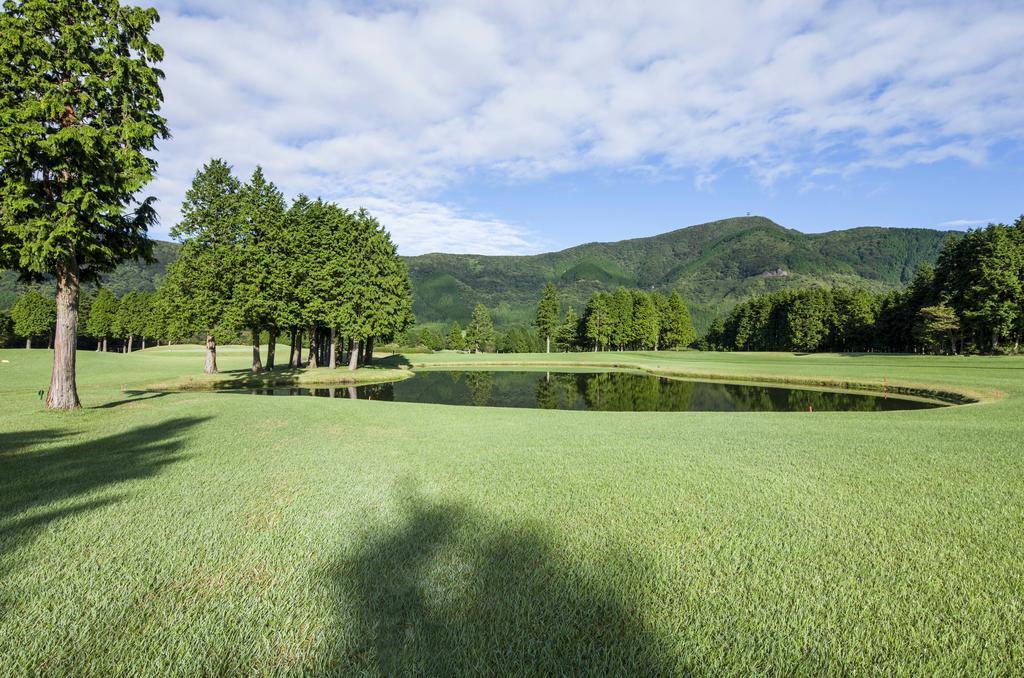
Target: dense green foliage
[
  {"x": 713, "y": 266},
  {"x": 972, "y": 302},
  {"x": 33, "y": 315},
  {"x": 229, "y": 534}
]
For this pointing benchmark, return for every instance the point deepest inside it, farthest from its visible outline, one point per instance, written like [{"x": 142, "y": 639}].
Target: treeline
[
  {"x": 972, "y": 301},
  {"x": 620, "y": 320},
  {"x": 324, "y": 277},
  {"x": 102, "y": 317}
]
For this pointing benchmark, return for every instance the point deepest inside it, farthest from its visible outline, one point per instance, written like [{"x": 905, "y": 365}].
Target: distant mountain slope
[{"x": 714, "y": 265}]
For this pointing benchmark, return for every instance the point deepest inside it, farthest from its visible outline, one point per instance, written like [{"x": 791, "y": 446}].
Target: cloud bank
[{"x": 388, "y": 107}]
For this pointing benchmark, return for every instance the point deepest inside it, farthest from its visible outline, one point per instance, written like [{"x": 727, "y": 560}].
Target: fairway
[{"x": 194, "y": 532}]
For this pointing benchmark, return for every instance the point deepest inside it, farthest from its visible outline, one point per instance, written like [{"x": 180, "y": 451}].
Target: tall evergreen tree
[
  {"x": 456, "y": 341},
  {"x": 548, "y": 313},
  {"x": 597, "y": 320},
  {"x": 480, "y": 332},
  {"x": 202, "y": 280},
  {"x": 677, "y": 329},
  {"x": 620, "y": 318},
  {"x": 644, "y": 329},
  {"x": 79, "y": 111},
  {"x": 568, "y": 331},
  {"x": 258, "y": 287}
]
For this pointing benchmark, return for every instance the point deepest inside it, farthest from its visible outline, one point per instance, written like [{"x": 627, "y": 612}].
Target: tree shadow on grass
[
  {"x": 42, "y": 482},
  {"x": 448, "y": 592},
  {"x": 133, "y": 397}
]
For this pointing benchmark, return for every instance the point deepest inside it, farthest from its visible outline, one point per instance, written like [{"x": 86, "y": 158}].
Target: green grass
[{"x": 201, "y": 532}]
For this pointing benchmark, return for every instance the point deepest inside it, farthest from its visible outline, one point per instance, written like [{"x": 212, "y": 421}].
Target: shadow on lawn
[
  {"x": 54, "y": 482},
  {"x": 450, "y": 593}
]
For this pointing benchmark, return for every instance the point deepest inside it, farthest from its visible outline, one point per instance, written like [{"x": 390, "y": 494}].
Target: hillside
[{"x": 714, "y": 265}]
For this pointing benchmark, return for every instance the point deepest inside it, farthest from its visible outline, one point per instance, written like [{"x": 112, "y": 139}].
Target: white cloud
[
  {"x": 397, "y": 104},
  {"x": 962, "y": 223}
]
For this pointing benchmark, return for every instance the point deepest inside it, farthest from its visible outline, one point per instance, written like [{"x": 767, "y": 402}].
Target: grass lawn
[{"x": 200, "y": 532}]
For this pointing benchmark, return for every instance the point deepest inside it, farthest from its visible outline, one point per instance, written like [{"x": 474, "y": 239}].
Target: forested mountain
[{"x": 713, "y": 265}]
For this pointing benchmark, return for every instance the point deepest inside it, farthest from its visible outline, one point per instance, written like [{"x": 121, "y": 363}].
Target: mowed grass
[{"x": 196, "y": 533}]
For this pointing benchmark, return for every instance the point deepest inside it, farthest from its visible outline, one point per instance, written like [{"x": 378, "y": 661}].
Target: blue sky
[{"x": 509, "y": 128}]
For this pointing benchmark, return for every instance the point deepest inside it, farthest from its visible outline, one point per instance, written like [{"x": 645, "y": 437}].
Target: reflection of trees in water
[
  {"x": 370, "y": 392},
  {"x": 480, "y": 385},
  {"x": 618, "y": 392},
  {"x": 779, "y": 399},
  {"x": 557, "y": 391},
  {"x": 607, "y": 391}
]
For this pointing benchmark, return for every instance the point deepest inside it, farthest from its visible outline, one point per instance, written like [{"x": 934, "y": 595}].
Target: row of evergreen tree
[
  {"x": 323, "y": 276},
  {"x": 972, "y": 301},
  {"x": 102, "y": 317},
  {"x": 620, "y": 320}
]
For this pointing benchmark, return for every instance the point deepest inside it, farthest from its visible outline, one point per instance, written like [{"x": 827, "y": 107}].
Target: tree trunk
[
  {"x": 313, "y": 348},
  {"x": 257, "y": 364},
  {"x": 143, "y": 343},
  {"x": 28, "y": 342},
  {"x": 368, "y": 353},
  {"x": 353, "y": 357},
  {"x": 131, "y": 340},
  {"x": 211, "y": 355},
  {"x": 63, "y": 393},
  {"x": 334, "y": 350},
  {"x": 104, "y": 344},
  {"x": 295, "y": 361},
  {"x": 271, "y": 348},
  {"x": 547, "y": 343},
  {"x": 352, "y": 393}
]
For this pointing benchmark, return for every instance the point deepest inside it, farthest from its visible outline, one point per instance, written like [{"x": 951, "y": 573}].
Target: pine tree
[
  {"x": 678, "y": 331},
  {"x": 620, "y": 318},
  {"x": 480, "y": 331},
  {"x": 568, "y": 331},
  {"x": 33, "y": 315},
  {"x": 548, "y": 313},
  {"x": 456, "y": 341},
  {"x": 597, "y": 320},
  {"x": 258, "y": 290},
  {"x": 79, "y": 111},
  {"x": 201, "y": 281},
  {"x": 644, "y": 329}
]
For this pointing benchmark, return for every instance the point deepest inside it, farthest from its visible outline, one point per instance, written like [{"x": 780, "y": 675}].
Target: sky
[{"x": 529, "y": 126}]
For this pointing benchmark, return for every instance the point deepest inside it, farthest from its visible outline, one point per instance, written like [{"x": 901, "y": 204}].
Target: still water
[{"x": 603, "y": 391}]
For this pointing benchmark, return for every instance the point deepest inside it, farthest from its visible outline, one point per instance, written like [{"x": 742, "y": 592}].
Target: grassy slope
[{"x": 205, "y": 532}]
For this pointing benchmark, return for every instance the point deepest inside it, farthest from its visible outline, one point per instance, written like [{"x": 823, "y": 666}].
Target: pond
[{"x": 603, "y": 391}]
